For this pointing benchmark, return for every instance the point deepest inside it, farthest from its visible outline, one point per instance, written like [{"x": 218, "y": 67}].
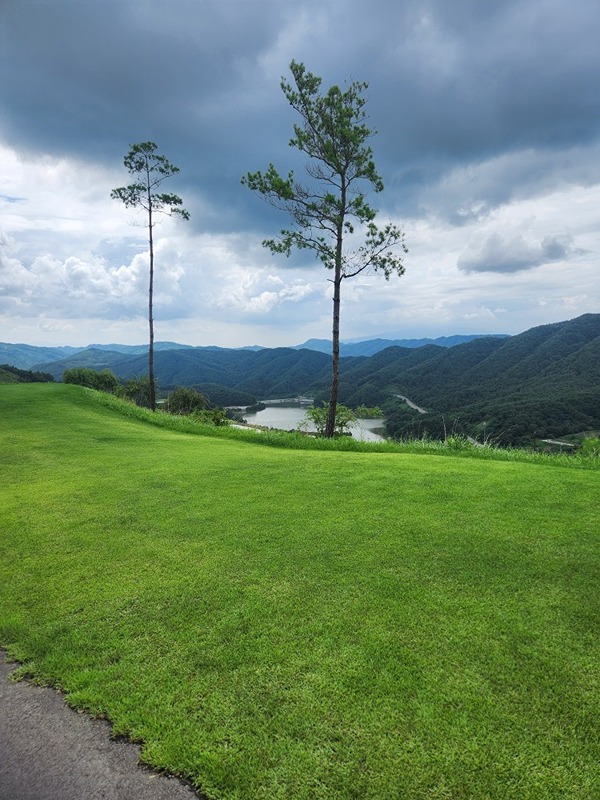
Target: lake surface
[{"x": 288, "y": 415}]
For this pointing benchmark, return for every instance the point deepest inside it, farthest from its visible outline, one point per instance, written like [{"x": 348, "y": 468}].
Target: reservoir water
[{"x": 287, "y": 415}]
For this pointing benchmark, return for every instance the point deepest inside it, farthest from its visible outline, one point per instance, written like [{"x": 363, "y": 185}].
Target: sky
[{"x": 487, "y": 137}]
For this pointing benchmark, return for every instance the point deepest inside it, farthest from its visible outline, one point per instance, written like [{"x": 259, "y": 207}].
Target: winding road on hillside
[{"x": 411, "y": 404}]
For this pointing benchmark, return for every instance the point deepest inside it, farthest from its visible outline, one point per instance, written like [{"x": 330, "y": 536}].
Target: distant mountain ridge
[
  {"x": 134, "y": 349},
  {"x": 26, "y": 356},
  {"x": 369, "y": 347}
]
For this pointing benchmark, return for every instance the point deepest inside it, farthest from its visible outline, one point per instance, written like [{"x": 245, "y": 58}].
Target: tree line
[{"x": 16, "y": 375}]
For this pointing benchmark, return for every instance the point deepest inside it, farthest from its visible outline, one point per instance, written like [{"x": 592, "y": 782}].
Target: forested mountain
[
  {"x": 267, "y": 372},
  {"x": 543, "y": 382}
]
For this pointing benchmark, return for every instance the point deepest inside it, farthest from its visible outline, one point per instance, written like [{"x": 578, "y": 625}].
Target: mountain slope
[
  {"x": 542, "y": 383},
  {"x": 25, "y": 356}
]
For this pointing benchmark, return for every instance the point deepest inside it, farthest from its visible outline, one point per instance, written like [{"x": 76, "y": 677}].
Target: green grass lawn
[{"x": 288, "y": 623}]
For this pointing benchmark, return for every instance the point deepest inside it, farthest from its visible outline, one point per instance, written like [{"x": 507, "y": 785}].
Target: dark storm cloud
[
  {"x": 77, "y": 75},
  {"x": 453, "y": 83},
  {"x": 498, "y": 254},
  {"x": 486, "y": 77}
]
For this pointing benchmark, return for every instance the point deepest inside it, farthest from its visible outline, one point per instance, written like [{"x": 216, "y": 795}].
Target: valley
[{"x": 541, "y": 384}]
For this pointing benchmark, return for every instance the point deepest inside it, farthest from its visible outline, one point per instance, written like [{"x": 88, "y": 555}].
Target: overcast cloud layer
[{"x": 488, "y": 121}]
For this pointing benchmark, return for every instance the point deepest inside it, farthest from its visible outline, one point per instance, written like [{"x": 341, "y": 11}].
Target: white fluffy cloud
[{"x": 74, "y": 268}]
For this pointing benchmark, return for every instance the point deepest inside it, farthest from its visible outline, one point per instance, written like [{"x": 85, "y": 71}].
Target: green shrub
[
  {"x": 456, "y": 442},
  {"x": 365, "y": 412},
  {"x": 345, "y": 418},
  {"x": 590, "y": 447},
  {"x": 211, "y": 416},
  {"x": 137, "y": 390},
  {"x": 185, "y": 400},
  {"x": 102, "y": 380}
]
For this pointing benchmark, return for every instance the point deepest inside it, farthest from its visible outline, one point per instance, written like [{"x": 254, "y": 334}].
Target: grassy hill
[{"x": 304, "y": 624}]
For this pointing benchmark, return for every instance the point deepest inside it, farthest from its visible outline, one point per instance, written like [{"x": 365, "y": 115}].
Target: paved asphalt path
[{"x": 50, "y": 752}]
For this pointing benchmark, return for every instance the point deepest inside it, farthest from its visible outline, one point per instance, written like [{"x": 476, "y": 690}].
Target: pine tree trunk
[
  {"x": 152, "y": 387},
  {"x": 335, "y": 333},
  {"x": 335, "y": 358}
]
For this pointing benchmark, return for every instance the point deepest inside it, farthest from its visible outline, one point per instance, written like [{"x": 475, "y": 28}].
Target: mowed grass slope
[{"x": 277, "y": 623}]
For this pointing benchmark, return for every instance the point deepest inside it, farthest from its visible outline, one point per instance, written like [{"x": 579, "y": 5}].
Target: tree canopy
[
  {"x": 149, "y": 169},
  {"x": 329, "y": 211}
]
